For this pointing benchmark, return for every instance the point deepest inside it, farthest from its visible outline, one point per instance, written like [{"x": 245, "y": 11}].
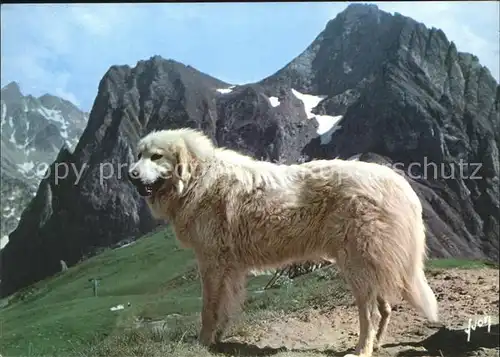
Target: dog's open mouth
[{"x": 147, "y": 190}]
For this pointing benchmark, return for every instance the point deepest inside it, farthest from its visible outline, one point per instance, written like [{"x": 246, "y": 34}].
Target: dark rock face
[
  {"x": 406, "y": 96},
  {"x": 248, "y": 122}
]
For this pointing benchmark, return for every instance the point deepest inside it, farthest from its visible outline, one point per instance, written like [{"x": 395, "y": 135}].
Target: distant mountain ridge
[
  {"x": 372, "y": 86},
  {"x": 33, "y": 130}
]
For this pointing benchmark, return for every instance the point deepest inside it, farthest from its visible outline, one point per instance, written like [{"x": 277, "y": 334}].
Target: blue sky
[{"x": 65, "y": 49}]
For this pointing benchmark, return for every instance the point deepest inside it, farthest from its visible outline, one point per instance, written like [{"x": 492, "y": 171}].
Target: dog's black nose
[{"x": 133, "y": 176}]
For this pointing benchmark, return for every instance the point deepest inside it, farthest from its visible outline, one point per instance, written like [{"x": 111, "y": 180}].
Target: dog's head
[{"x": 164, "y": 163}]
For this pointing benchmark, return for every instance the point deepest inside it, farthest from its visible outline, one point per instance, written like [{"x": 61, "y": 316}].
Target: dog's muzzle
[{"x": 145, "y": 190}]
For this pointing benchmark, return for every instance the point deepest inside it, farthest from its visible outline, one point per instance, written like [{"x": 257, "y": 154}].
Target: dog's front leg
[
  {"x": 211, "y": 280},
  {"x": 232, "y": 298}
]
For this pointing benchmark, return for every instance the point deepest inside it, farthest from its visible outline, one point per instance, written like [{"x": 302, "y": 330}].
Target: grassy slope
[{"x": 61, "y": 317}]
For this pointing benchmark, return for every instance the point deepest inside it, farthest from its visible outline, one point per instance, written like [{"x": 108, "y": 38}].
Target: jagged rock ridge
[
  {"x": 33, "y": 132},
  {"x": 378, "y": 86}
]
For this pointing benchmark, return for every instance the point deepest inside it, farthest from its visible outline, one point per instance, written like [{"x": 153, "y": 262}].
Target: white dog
[{"x": 239, "y": 214}]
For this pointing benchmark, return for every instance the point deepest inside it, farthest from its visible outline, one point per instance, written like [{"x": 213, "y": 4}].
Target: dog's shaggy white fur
[{"x": 239, "y": 214}]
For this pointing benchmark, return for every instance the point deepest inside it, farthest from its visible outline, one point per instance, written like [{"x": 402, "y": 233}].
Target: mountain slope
[
  {"x": 372, "y": 85},
  {"x": 33, "y": 130}
]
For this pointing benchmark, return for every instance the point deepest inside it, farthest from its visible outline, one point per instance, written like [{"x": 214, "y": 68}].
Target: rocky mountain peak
[
  {"x": 52, "y": 101},
  {"x": 11, "y": 92},
  {"x": 358, "y": 44},
  {"x": 356, "y": 15},
  {"x": 360, "y": 9}
]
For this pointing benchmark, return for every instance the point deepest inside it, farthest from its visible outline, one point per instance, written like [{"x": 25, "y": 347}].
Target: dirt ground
[{"x": 462, "y": 295}]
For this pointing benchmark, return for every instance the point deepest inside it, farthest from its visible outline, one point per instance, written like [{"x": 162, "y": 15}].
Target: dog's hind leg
[
  {"x": 384, "y": 309},
  {"x": 357, "y": 276},
  {"x": 364, "y": 348}
]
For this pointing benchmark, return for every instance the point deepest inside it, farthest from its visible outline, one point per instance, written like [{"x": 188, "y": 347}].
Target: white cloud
[
  {"x": 29, "y": 67},
  {"x": 32, "y": 58},
  {"x": 49, "y": 42},
  {"x": 61, "y": 85},
  {"x": 103, "y": 19}
]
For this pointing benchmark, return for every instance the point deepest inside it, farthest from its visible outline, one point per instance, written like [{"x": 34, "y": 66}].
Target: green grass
[
  {"x": 451, "y": 263},
  {"x": 60, "y": 316}
]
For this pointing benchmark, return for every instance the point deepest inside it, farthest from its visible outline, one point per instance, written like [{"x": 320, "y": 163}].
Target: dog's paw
[
  {"x": 219, "y": 336},
  {"x": 206, "y": 338},
  {"x": 204, "y": 341}
]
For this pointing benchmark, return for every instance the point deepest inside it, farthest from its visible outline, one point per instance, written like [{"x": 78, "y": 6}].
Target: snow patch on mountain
[
  {"x": 310, "y": 102},
  {"x": 55, "y": 116},
  {"x": 26, "y": 167},
  {"x": 3, "y": 241},
  {"x": 4, "y": 114},
  {"x": 274, "y": 101},
  {"x": 225, "y": 90},
  {"x": 327, "y": 124},
  {"x": 51, "y": 114},
  {"x": 8, "y": 211}
]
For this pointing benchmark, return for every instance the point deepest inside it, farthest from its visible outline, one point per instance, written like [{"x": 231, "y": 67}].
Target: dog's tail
[
  {"x": 417, "y": 291},
  {"x": 421, "y": 296}
]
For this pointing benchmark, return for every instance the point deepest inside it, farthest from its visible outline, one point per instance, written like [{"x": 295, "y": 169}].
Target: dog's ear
[{"x": 182, "y": 171}]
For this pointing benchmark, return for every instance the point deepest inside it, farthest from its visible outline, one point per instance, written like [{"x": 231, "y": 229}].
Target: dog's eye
[
  {"x": 139, "y": 156},
  {"x": 155, "y": 157}
]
